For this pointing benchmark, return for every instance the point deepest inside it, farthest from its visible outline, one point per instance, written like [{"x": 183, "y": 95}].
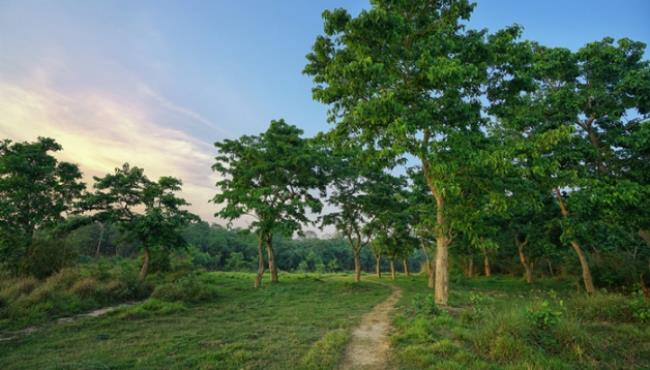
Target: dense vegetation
[{"x": 450, "y": 149}]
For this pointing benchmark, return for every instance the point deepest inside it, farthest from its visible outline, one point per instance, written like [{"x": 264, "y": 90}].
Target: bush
[
  {"x": 424, "y": 304},
  {"x": 86, "y": 287},
  {"x": 192, "y": 288},
  {"x": 27, "y": 301},
  {"x": 13, "y": 288},
  {"x": 544, "y": 315},
  {"x": 47, "y": 257}
]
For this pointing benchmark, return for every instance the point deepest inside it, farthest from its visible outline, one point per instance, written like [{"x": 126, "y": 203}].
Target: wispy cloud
[
  {"x": 169, "y": 105},
  {"x": 100, "y": 132}
]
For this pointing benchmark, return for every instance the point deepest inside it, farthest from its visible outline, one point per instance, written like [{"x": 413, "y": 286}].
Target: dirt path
[
  {"x": 33, "y": 329},
  {"x": 368, "y": 348}
]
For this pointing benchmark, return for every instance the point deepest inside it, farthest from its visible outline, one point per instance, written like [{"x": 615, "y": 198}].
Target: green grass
[
  {"x": 302, "y": 322},
  {"x": 218, "y": 321},
  {"x": 503, "y": 323}
]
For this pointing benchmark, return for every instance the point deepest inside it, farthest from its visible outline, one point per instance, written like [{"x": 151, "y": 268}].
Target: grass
[
  {"x": 503, "y": 323},
  {"x": 218, "y": 321},
  {"x": 303, "y": 322},
  {"x": 26, "y": 301}
]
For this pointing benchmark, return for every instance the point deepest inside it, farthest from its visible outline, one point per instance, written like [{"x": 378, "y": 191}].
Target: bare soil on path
[{"x": 369, "y": 345}]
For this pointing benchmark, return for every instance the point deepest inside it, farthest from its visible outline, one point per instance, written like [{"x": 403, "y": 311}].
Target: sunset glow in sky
[{"x": 156, "y": 83}]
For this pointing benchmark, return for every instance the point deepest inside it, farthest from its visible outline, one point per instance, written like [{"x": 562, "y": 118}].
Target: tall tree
[
  {"x": 147, "y": 211},
  {"x": 406, "y": 77},
  {"x": 271, "y": 178},
  {"x": 590, "y": 97},
  {"x": 36, "y": 192}
]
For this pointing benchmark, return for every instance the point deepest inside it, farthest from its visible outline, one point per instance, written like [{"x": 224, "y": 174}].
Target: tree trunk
[
  {"x": 486, "y": 265},
  {"x": 431, "y": 282},
  {"x": 405, "y": 262},
  {"x": 392, "y": 268},
  {"x": 273, "y": 269},
  {"x": 586, "y": 272},
  {"x": 260, "y": 263},
  {"x": 470, "y": 267},
  {"x": 378, "y": 266},
  {"x": 145, "y": 264},
  {"x": 550, "y": 267},
  {"x": 441, "y": 233},
  {"x": 528, "y": 268},
  {"x": 357, "y": 266},
  {"x": 101, "y": 237},
  {"x": 442, "y": 273}
]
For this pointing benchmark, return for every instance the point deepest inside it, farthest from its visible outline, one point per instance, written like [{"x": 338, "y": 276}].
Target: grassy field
[
  {"x": 503, "y": 323},
  {"x": 305, "y": 321}
]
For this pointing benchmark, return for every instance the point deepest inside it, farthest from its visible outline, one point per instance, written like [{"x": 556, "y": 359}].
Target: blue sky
[{"x": 155, "y": 83}]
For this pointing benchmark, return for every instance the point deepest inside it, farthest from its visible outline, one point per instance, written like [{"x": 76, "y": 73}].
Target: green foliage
[
  {"x": 35, "y": 192},
  {"x": 193, "y": 288},
  {"x": 544, "y": 315},
  {"x": 147, "y": 211},
  {"x": 269, "y": 177},
  {"x": 424, "y": 304}
]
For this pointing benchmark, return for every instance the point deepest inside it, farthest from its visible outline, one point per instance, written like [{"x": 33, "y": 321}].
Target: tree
[
  {"x": 587, "y": 97},
  {"x": 358, "y": 184},
  {"x": 36, "y": 192},
  {"x": 147, "y": 211},
  {"x": 270, "y": 177},
  {"x": 405, "y": 78}
]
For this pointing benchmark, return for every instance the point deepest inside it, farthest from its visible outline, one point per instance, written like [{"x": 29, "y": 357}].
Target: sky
[{"x": 156, "y": 83}]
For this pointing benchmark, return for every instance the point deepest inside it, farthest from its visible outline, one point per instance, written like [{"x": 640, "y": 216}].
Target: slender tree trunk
[
  {"x": 273, "y": 269},
  {"x": 145, "y": 264},
  {"x": 260, "y": 262},
  {"x": 486, "y": 265},
  {"x": 405, "y": 262},
  {"x": 441, "y": 233},
  {"x": 430, "y": 267},
  {"x": 528, "y": 268},
  {"x": 378, "y": 266},
  {"x": 357, "y": 265},
  {"x": 101, "y": 237},
  {"x": 550, "y": 267},
  {"x": 586, "y": 272},
  {"x": 392, "y": 268},
  {"x": 470, "y": 267}
]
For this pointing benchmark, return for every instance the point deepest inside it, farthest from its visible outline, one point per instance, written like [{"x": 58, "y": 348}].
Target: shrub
[
  {"x": 86, "y": 287},
  {"x": 544, "y": 315},
  {"x": 192, "y": 288},
  {"x": 424, "y": 304},
  {"x": 13, "y": 288}
]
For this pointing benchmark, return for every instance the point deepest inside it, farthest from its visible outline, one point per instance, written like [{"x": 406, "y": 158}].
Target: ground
[{"x": 311, "y": 321}]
